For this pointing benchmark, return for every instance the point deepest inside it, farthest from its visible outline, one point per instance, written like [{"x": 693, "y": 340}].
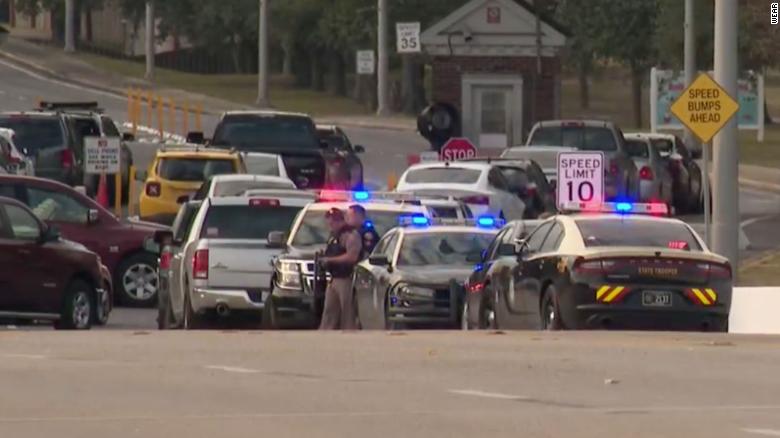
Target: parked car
[
  {"x": 655, "y": 179},
  {"x": 344, "y": 168},
  {"x": 291, "y": 135},
  {"x": 482, "y": 186},
  {"x": 176, "y": 173},
  {"x": 446, "y": 207},
  {"x": 81, "y": 219},
  {"x": 44, "y": 277},
  {"x": 621, "y": 178},
  {"x": 236, "y": 184},
  {"x": 545, "y": 156},
  {"x": 12, "y": 160},
  {"x": 528, "y": 181},
  {"x": 686, "y": 172},
  {"x": 260, "y": 163}
]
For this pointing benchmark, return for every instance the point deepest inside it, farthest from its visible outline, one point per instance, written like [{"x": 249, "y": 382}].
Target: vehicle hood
[
  {"x": 73, "y": 246},
  {"x": 434, "y": 275}
]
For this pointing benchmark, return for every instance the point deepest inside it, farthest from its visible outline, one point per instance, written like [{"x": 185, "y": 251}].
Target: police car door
[
  {"x": 372, "y": 284},
  {"x": 527, "y": 275},
  {"x": 542, "y": 267}
]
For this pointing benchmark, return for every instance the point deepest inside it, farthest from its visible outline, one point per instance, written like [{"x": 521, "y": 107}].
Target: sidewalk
[{"x": 54, "y": 63}]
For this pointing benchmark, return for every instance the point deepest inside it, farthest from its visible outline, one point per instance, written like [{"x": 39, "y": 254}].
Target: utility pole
[
  {"x": 150, "y": 40},
  {"x": 725, "y": 227},
  {"x": 262, "y": 57},
  {"x": 382, "y": 67},
  {"x": 70, "y": 29}
]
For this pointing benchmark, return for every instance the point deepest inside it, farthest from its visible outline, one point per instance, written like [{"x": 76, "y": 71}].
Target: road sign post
[
  {"x": 458, "y": 148},
  {"x": 705, "y": 108},
  {"x": 580, "y": 178}
]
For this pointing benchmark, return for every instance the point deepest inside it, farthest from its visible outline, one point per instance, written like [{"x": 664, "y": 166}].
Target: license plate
[{"x": 654, "y": 298}]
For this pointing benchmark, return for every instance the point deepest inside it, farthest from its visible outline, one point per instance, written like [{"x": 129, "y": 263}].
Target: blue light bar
[
  {"x": 361, "y": 196},
  {"x": 419, "y": 220},
  {"x": 486, "y": 221},
  {"x": 416, "y": 220},
  {"x": 623, "y": 207},
  {"x": 368, "y": 224}
]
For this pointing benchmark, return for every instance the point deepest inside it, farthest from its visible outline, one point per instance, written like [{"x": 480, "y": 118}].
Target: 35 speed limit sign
[{"x": 580, "y": 177}]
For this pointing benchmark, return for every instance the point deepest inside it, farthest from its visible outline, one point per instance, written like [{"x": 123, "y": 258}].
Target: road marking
[
  {"x": 725, "y": 408},
  {"x": 764, "y": 432},
  {"x": 754, "y": 220},
  {"x": 24, "y": 356},
  {"x": 230, "y": 369},
  {"x": 496, "y": 395}
]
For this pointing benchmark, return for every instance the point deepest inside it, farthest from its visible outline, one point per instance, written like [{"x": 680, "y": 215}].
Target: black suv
[
  {"x": 53, "y": 136},
  {"x": 293, "y": 136}
]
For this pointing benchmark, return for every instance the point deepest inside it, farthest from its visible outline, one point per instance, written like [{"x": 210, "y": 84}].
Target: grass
[
  {"x": 763, "y": 272},
  {"x": 235, "y": 88}
]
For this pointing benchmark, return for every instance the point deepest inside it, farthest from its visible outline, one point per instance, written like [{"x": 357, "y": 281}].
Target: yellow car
[{"x": 176, "y": 173}]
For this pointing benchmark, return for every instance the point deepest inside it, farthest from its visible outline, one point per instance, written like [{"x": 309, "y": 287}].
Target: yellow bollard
[
  {"x": 131, "y": 193},
  {"x": 118, "y": 194},
  {"x": 185, "y": 118},
  {"x": 392, "y": 181},
  {"x": 160, "y": 118},
  {"x": 135, "y": 110},
  {"x": 198, "y": 119},
  {"x": 130, "y": 105},
  {"x": 149, "y": 109},
  {"x": 172, "y": 115}
]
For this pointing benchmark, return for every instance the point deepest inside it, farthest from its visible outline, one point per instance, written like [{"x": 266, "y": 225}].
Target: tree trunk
[
  {"x": 338, "y": 82},
  {"x": 287, "y": 48},
  {"x": 583, "y": 73},
  {"x": 636, "y": 87},
  {"x": 317, "y": 80}
]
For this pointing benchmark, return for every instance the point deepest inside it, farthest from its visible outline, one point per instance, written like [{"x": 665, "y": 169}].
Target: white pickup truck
[{"x": 227, "y": 258}]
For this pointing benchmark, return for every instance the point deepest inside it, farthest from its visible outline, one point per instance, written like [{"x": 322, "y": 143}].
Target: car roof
[
  {"x": 583, "y": 122},
  {"x": 322, "y": 127},
  {"x": 369, "y": 206},
  {"x": 449, "y": 229},
  {"x": 285, "y": 201},
  {"x": 260, "y": 155},
  {"x": 517, "y": 162},
  {"x": 595, "y": 217},
  {"x": 457, "y": 164},
  {"x": 651, "y": 135},
  {"x": 640, "y": 137},
  {"x": 31, "y": 114},
  {"x": 265, "y": 113},
  {"x": 236, "y": 177},
  {"x": 441, "y": 202}
]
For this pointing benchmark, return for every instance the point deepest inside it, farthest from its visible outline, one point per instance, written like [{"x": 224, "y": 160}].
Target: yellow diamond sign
[{"x": 704, "y": 107}]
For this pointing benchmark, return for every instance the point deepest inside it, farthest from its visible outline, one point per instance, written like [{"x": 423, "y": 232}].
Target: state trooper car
[
  {"x": 615, "y": 265},
  {"x": 415, "y": 275},
  {"x": 294, "y": 293}
]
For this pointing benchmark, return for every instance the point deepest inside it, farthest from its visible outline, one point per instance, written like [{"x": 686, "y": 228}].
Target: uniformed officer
[
  {"x": 341, "y": 256},
  {"x": 357, "y": 219}
]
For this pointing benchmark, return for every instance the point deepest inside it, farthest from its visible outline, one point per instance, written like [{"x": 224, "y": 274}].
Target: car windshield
[
  {"x": 235, "y": 188},
  {"x": 586, "y": 138},
  {"x": 258, "y": 133},
  {"x": 644, "y": 233},
  {"x": 444, "y": 212},
  {"x": 194, "y": 169},
  {"x": 246, "y": 222},
  {"x": 636, "y": 148},
  {"x": 664, "y": 147},
  {"x": 451, "y": 175},
  {"x": 453, "y": 248},
  {"x": 35, "y": 133},
  {"x": 314, "y": 229},
  {"x": 262, "y": 165}
]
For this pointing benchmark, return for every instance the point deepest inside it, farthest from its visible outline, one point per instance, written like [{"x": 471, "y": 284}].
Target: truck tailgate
[{"x": 240, "y": 264}]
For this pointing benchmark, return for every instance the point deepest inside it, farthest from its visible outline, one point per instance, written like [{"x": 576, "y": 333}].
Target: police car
[
  {"x": 293, "y": 293},
  {"x": 615, "y": 265},
  {"x": 414, "y": 276}
]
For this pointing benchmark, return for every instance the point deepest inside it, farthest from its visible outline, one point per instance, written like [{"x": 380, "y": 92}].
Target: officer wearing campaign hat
[{"x": 341, "y": 255}]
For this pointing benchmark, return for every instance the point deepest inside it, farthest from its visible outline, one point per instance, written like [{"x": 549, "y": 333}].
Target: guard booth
[{"x": 484, "y": 61}]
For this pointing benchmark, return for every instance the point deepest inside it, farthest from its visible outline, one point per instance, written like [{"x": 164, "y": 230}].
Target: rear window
[
  {"x": 236, "y": 188},
  {"x": 586, "y": 138},
  {"x": 35, "y": 133},
  {"x": 664, "y": 147},
  {"x": 194, "y": 169},
  {"x": 314, "y": 229},
  {"x": 637, "y": 148},
  {"x": 442, "y": 248},
  {"x": 620, "y": 232},
  {"x": 444, "y": 212},
  {"x": 245, "y": 222},
  {"x": 452, "y": 175},
  {"x": 262, "y": 165},
  {"x": 257, "y": 133}
]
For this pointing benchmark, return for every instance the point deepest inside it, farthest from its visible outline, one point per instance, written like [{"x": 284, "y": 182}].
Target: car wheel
[
  {"x": 550, "y": 315},
  {"x": 136, "y": 280},
  {"x": 191, "y": 320},
  {"x": 270, "y": 318},
  {"x": 102, "y": 308},
  {"x": 77, "y": 308}
]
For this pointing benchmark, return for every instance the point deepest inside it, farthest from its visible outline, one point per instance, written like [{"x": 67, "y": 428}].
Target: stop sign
[{"x": 458, "y": 149}]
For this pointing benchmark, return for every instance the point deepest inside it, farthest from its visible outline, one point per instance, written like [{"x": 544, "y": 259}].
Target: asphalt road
[{"x": 238, "y": 384}]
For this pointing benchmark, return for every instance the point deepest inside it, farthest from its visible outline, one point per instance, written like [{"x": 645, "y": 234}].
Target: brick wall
[{"x": 447, "y": 73}]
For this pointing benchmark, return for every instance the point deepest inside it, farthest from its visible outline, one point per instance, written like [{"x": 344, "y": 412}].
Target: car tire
[
  {"x": 549, "y": 310},
  {"x": 139, "y": 270},
  {"x": 102, "y": 308},
  {"x": 192, "y": 321},
  {"x": 270, "y": 318},
  {"x": 77, "y": 307}
]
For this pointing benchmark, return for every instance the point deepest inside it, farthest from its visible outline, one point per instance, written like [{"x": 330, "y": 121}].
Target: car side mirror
[
  {"x": 507, "y": 250},
  {"x": 183, "y": 199},
  {"x": 276, "y": 239},
  {"x": 128, "y": 136},
  {"x": 50, "y": 234},
  {"x": 359, "y": 149},
  {"x": 196, "y": 137},
  {"x": 93, "y": 215},
  {"x": 378, "y": 260}
]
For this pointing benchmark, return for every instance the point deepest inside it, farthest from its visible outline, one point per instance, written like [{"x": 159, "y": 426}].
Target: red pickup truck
[{"x": 120, "y": 244}]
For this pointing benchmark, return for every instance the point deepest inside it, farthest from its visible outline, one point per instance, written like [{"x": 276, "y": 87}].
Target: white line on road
[
  {"x": 754, "y": 220},
  {"x": 24, "y": 356},
  {"x": 230, "y": 369},
  {"x": 496, "y": 395},
  {"x": 764, "y": 432}
]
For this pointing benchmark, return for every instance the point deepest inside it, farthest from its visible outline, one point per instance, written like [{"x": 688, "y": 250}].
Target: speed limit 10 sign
[{"x": 580, "y": 177}]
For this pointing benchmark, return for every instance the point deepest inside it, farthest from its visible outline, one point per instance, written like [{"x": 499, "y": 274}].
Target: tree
[
  {"x": 628, "y": 35},
  {"x": 575, "y": 15}
]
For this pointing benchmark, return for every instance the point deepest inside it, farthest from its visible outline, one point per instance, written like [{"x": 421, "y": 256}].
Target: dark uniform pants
[{"x": 339, "y": 310}]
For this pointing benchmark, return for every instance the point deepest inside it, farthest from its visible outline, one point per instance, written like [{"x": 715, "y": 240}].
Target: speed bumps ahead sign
[{"x": 704, "y": 107}]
